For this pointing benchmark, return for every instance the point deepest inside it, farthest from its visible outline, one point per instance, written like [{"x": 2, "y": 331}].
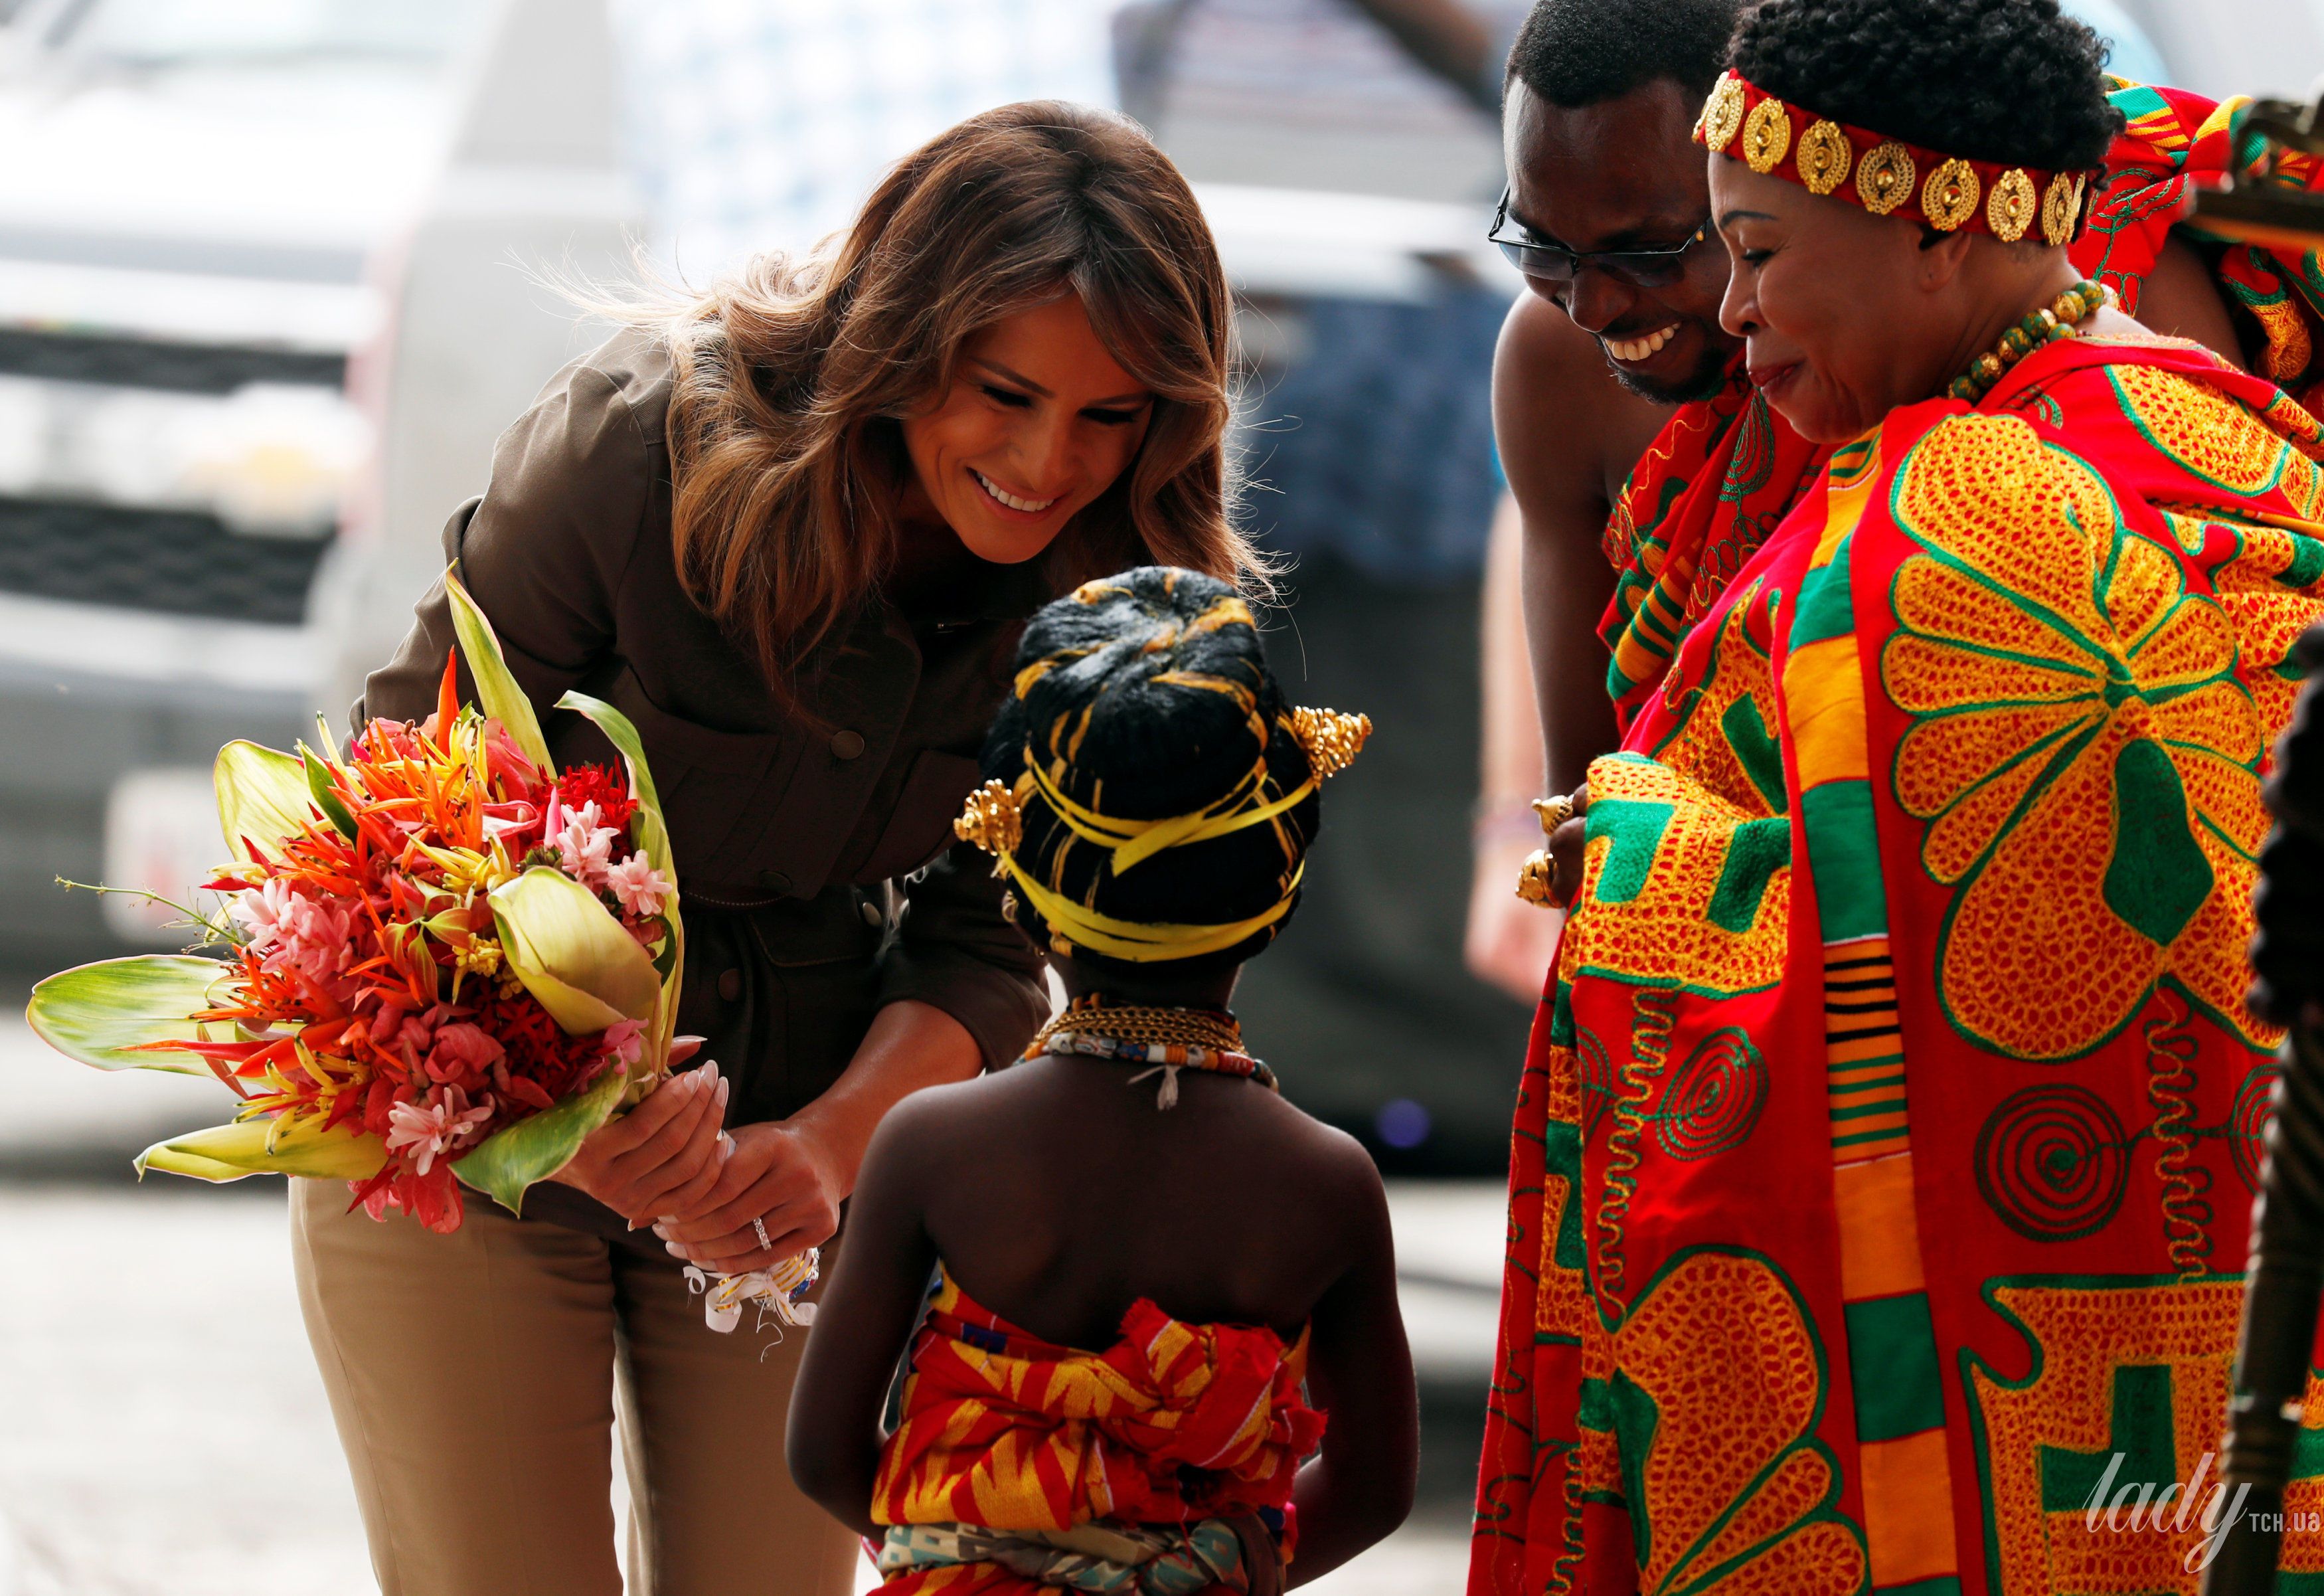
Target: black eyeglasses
[{"x": 1553, "y": 262}]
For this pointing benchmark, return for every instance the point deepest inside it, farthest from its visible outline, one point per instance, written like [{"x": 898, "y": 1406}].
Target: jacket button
[
  {"x": 730, "y": 984},
  {"x": 775, "y": 881},
  {"x": 872, "y": 917},
  {"x": 847, "y": 746}
]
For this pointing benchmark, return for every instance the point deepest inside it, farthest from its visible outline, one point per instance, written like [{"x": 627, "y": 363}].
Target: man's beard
[{"x": 1708, "y": 377}]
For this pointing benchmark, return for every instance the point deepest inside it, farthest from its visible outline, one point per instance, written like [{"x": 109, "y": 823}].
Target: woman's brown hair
[{"x": 788, "y": 465}]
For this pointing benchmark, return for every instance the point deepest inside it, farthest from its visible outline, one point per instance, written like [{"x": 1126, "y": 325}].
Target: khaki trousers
[{"x": 476, "y": 1378}]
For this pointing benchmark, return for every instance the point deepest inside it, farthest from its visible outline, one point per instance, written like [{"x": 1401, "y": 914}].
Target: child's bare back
[
  {"x": 1052, "y": 1197},
  {"x": 1058, "y": 1194}
]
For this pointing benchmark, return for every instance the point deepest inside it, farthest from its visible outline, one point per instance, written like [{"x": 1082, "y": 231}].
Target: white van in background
[{"x": 267, "y": 294}]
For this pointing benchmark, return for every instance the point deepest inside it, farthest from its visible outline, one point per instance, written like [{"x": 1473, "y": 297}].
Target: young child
[{"x": 1158, "y": 1283}]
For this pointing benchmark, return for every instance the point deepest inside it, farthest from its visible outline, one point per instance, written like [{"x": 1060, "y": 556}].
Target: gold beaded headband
[
  {"x": 994, "y": 821},
  {"x": 1888, "y": 177}
]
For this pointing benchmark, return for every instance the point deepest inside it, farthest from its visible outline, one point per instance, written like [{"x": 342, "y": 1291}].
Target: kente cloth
[
  {"x": 2177, "y": 143},
  {"x": 1725, "y": 469},
  {"x": 1174, "y": 1425},
  {"x": 1886, "y": 1149}
]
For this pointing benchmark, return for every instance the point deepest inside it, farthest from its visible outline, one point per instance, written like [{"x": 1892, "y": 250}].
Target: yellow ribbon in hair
[
  {"x": 1133, "y": 841},
  {"x": 1133, "y": 941},
  {"x": 994, "y": 821}
]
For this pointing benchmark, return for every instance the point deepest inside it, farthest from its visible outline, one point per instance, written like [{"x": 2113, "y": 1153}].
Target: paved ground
[{"x": 162, "y": 1430}]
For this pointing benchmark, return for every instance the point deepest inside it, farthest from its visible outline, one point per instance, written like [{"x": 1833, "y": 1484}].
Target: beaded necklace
[
  {"x": 1168, "y": 1039},
  {"x": 2054, "y": 323}
]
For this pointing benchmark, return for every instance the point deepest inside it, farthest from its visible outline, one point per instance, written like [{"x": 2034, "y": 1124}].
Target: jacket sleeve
[
  {"x": 956, "y": 952},
  {"x": 541, "y": 551}
]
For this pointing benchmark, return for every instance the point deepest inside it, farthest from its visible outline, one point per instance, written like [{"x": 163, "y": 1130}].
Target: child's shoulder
[
  {"x": 1026, "y": 1105},
  {"x": 1328, "y": 1152}
]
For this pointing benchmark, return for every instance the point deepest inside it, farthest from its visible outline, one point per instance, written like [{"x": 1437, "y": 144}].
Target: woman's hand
[
  {"x": 780, "y": 1175},
  {"x": 661, "y": 1158},
  {"x": 1565, "y": 850}
]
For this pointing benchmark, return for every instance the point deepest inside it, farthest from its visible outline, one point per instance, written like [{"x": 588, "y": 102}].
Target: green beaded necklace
[{"x": 2052, "y": 324}]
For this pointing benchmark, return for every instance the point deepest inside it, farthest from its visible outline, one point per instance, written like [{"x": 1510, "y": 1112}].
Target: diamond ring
[{"x": 766, "y": 1242}]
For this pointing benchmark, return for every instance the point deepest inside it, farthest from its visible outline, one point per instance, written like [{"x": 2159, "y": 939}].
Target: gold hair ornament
[
  {"x": 2011, "y": 208},
  {"x": 1332, "y": 739},
  {"x": 993, "y": 819},
  {"x": 1766, "y": 136},
  {"x": 1826, "y": 157},
  {"x": 1951, "y": 195}
]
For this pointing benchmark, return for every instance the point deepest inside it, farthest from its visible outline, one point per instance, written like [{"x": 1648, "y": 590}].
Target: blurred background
[{"x": 275, "y": 273}]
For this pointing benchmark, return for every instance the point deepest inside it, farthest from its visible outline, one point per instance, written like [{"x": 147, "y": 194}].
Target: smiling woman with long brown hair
[{"x": 792, "y": 529}]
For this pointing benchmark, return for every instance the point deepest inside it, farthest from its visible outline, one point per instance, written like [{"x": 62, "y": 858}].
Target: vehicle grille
[
  {"x": 169, "y": 561},
  {"x": 146, "y": 363}
]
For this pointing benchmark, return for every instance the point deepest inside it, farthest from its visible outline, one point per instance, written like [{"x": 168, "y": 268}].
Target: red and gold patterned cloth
[
  {"x": 1885, "y": 1153},
  {"x": 1174, "y": 1423},
  {"x": 1725, "y": 469}
]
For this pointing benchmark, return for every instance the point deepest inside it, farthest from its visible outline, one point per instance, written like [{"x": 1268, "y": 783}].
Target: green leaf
[
  {"x": 98, "y": 1012},
  {"x": 318, "y": 786},
  {"x": 507, "y": 1162},
  {"x": 497, "y": 692},
  {"x": 262, "y": 796},
  {"x": 652, "y": 834},
  {"x": 571, "y": 952},
  {"x": 653, "y": 839},
  {"x": 267, "y": 1147}
]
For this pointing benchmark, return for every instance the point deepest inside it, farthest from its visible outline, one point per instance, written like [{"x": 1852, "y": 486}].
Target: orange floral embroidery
[
  {"x": 2218, "y": 440},
  {"x": 2081, "y": 747},
  {"x": 1714, "y": 1415}
]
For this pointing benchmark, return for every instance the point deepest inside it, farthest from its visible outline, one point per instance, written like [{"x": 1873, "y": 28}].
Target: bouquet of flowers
[{"x": 448, "y": 962}]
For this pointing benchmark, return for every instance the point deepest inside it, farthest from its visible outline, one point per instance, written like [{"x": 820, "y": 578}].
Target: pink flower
[
  {"x": 585, "y": 847},
  {"x": 289, "y": 931},
  {"x": 461, "y": 1051},
  {"x": 435, "y": 1126},
  {"x": 506, "y": 820},
  {"x": 625, "y": 1039},
  {"x": 642, "y": 889}
]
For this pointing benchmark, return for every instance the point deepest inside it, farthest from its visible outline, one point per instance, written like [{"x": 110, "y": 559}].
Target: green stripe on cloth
[
  {"x": 1844, "y": 857},
  {"x": 1892, "y": 1360},
  {"x": 1563, "y": 1032},
  {"x": 1894, "y": 1104},
  {"x": 1825, "y": 609}
]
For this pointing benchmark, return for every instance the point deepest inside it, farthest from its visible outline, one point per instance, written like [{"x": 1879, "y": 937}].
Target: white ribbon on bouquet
[{"x": 778, "y": 1291}]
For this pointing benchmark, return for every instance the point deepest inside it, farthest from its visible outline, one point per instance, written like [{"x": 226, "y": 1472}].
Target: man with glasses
[{"x": 1608, "y": 215}]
